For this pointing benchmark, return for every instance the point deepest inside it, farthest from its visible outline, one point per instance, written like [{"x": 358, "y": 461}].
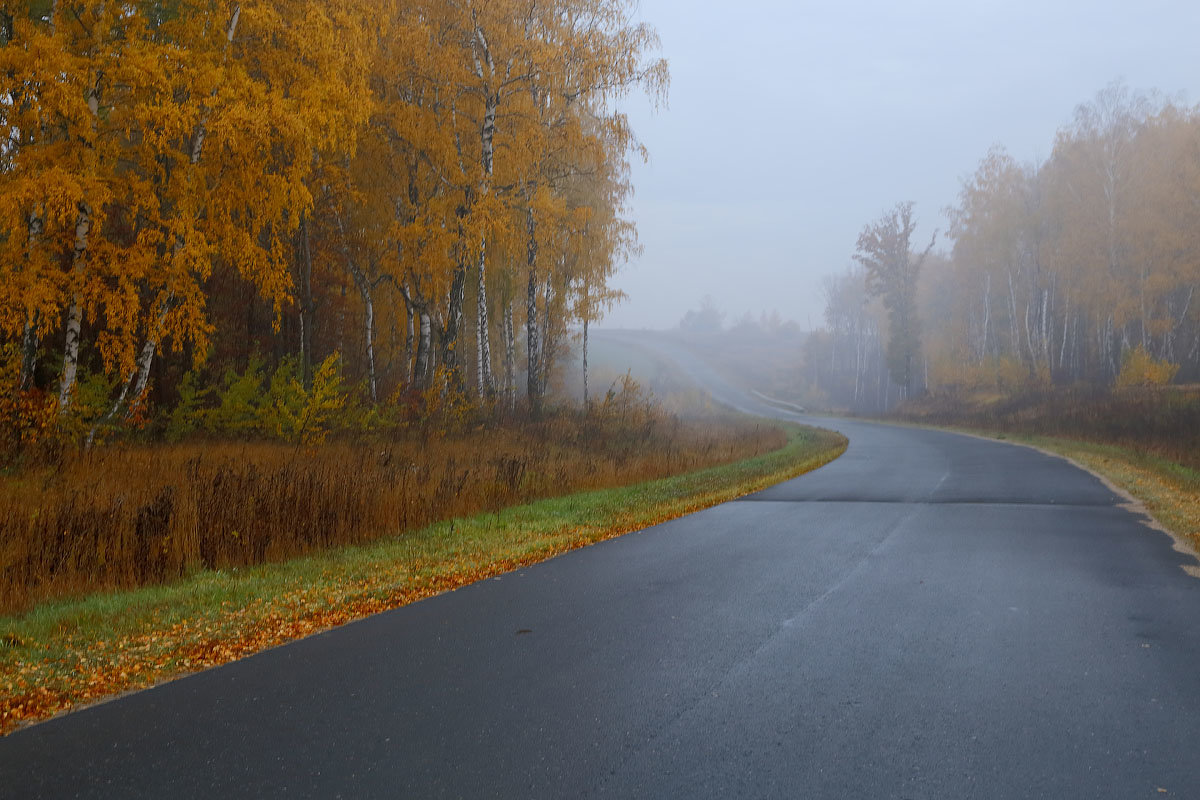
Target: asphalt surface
[{"x": 930, "y": 616}]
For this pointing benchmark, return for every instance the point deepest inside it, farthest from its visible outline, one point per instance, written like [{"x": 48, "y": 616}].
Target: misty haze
[{"x": 626, "y": 398}]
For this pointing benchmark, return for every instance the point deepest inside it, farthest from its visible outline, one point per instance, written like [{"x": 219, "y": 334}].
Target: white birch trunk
[
  {"x": 483, "y": 348},
  {"x": 66, "y": 383},
  {"x": 140, "y": 378},
  {"x": 1046, "y": 344},
  {"x": 421, "y": 367},
  {"x": 83, "y": 226},
  {"x": 1029, "y": 338}
]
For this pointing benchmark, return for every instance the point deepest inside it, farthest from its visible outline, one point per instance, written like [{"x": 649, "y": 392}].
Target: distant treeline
[{"x": 1083, "y": 268}]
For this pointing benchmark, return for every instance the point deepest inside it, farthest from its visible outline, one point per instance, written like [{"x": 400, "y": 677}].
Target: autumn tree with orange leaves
[
  {"x": 1083, "y": 268},
  {"x": 184, "y": 186}
]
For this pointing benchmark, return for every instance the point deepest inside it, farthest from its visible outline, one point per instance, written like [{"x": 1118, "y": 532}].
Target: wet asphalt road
[{"x": 930, "y": 616}]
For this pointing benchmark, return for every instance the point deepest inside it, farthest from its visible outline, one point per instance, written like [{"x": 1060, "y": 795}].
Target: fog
[{"x": 792, "y": 124}]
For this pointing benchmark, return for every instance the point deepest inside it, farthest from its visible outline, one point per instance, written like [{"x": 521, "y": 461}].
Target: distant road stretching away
[{"x": 930, "y": 616}]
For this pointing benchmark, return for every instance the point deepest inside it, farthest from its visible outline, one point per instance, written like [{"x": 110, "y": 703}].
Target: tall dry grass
[
  {"x": 131, "y": 515},
  {"x": 1160, "y": 421}
]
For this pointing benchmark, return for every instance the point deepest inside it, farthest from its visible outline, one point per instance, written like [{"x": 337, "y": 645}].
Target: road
[{"x": 930, "y": 616}]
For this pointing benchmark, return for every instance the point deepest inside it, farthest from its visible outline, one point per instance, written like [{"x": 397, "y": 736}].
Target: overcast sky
[{"x": 792, "y": 124}]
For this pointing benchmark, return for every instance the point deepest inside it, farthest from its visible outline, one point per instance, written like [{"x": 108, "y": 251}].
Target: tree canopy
[{"x": 186, "y": 185}]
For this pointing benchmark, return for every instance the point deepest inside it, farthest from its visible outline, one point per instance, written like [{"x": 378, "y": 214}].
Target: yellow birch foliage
[{"x": 159, "y": 157}]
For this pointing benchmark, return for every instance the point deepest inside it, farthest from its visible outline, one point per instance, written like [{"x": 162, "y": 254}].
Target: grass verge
[
  {"x": 66, "y": 653},
  {"x": 1167, "y": 491}
]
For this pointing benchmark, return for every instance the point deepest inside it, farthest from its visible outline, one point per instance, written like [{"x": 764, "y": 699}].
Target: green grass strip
[{"x": 68, "y": 652}]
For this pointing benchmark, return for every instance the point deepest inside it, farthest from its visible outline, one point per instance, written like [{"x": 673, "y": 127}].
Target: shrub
[
  {"x": 1139, "y": 368},
  {"x": 295, "y": 414}
]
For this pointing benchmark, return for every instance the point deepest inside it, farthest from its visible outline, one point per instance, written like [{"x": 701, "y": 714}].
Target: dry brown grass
[
  {"x": 1160, "y": 421},
  {"x": 135, "y": 515}
]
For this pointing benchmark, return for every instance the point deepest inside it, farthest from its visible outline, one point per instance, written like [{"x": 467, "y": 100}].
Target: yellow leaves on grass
[{"x": 41, "y": 678}]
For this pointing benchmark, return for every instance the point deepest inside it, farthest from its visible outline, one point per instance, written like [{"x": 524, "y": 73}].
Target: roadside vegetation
[
  {"x": 287, "y": 294},
  {"x": 138, "y": 514},
  {"x": 1168, "y": 491},
  {"x": 70, "y": 651},
  {"x": 1144, "y": 440},
  {"x": 1157, "y": 422},
  {"x": 1059, "y": 307},
  {"x": 1070, "y": 275}
]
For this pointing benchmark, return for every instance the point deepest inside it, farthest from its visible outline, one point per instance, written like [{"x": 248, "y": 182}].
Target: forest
[
  {"x": 273, "y": 217},
  {"x": 1077, "y": 271}
]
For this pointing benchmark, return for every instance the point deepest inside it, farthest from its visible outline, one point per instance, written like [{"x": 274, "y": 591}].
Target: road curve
[{"x": 930, "y": 616}]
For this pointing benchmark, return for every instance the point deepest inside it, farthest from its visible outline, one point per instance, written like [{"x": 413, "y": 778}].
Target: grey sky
[{"x": 792, "y": 124}]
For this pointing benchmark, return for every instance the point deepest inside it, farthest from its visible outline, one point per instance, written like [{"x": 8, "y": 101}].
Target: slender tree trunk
[
  {"x": 29, "y": 349},
  {"x": 137, "y": 380},
  {"x": 533, "y": 384},
  {"x": 487, "y": 133},
  {"x": 70, "y": 354},
  {"x": 1015, "y": 341},
  {"x": 586, "y": 403},
  {"x": 201, "y": 131},
  {"x": 410, "y": 361},
  {"x": 453, "y": 327},
  {"x": 83, "y": 226},
  {"x": 1047, "y": 331},
  {"x": 1062, "y": 353},
  {"x": 483, "y": 348},
  {"x": 145, "y": 362},
  {"x": 1029, "y": 340},
  {"x": 421, "y": 365},
  {"x": 140, "y": 377},
  {"x": 29, "y": 337},
  {"x": 364, "y": 289},
  {"x": 510, "y": 357},
  {"x": 36, "y": 225},
  {"x": 308, "y": 311},
  {"x": 987, "y": 316},
  {"x": 547, "y": 343},
  {"x": 75, "y": 313},
  {"x": 1173, "y": 333}
]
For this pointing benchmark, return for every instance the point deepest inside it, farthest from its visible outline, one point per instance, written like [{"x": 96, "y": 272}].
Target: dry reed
[{"x": 132, "y": 515}]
